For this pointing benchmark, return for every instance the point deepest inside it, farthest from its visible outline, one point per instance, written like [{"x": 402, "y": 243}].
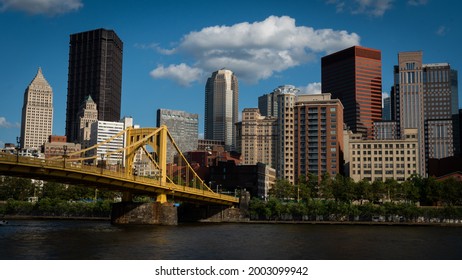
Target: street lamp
[
  {"x": 18, "y": 148},
  {"x": 102, "y": 162},
  {"x": 64, "y": 155}
]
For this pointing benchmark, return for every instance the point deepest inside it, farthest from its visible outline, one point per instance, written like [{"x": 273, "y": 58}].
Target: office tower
[
  {"x": 183, "y": 127},
  {"x": 37, "y": 113},
  {"x": 384, "y": 159},
  {"x": 221, "y": 107},
  {"x": 257, "y": 138},
  {"x": 386, "y": 110},
  {"x": 354, "y": 76},
  {"x": 268, "y": 104},
  {"x": 423, "y": 97},
  {"x": 318, "y": 135},
  {"x": 386, "y": 130},
  {"x": 285, "y": 153},
  {"x": 87, "y": 115},
  {"x": 95, "y": 69},
  {"x": 102, "y": 131}
]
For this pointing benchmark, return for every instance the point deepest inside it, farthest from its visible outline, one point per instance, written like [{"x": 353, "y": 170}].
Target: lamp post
[
  {"x": 18, "y": 148},
  {"x": 64, "y": 155},
  {"x": 102, "y": 162}
]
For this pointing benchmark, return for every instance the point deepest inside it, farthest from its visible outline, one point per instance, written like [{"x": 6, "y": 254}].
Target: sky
[{"x": 172, "y": 47}]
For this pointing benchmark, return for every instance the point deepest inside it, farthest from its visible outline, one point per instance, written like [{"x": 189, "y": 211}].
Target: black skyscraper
[{"x": 95, "y": 68}]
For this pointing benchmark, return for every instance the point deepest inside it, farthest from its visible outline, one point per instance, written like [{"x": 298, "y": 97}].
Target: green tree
[
  {"x": 325, "y": 186},
  {"x": 283, "y": 190}
]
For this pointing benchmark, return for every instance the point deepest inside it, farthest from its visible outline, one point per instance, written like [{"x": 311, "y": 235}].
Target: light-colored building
[
  {"x": 285, "y": 152},
  {"x": 102, "y": 131},
  {"x": 221, "y": 107},
  {"x": 184, "y": 128},
  {"x": 318, "y": 135},
  {"x": 87, "y": 115},
  {"x": 383, "y": 159},
  {"x": 257, "y": 138},
  {"x": 266, "y": 179},
  {"x": 57, "y": 146},
  {"x": 37, "y": 113}
]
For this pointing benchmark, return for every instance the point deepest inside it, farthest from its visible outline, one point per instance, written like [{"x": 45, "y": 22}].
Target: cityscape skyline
[{"x": 150, "y": 79}]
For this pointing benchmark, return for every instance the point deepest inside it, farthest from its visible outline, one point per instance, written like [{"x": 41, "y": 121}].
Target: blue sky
[{"x": 171, "y": 47}]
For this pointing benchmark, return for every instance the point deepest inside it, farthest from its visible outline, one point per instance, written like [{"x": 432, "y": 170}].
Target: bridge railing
[{"x": 101, "y": 171}]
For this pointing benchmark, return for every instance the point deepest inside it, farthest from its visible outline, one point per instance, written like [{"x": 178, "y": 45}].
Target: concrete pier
[{"x": 152, "y": 213}]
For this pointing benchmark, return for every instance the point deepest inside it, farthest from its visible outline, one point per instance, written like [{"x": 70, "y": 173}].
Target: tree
[
  {"x": 325, "y": 186},
  {"x": 283, "y": 190}
]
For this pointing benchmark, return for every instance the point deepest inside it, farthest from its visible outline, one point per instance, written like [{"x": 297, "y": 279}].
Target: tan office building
[{"x": 383, "y": 159}]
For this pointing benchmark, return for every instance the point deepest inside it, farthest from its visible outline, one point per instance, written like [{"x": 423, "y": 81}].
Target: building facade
[
  {"x": 107, "y": 153},
  {"x": 37, "y": 113},
  {"x": 221, "y": 107},
  {"x": 285, "y": 152},
  {"x": 184, "y": 128},
  {"x": 381, "y": 160},
  {"x": 87, "y": 115},
  {"x": 268, "y": 104},
  {"x": 318, "y": 135},
  {"x": 424, "y": 97},
  {"x": 95, "y": 69},
  {"x": 257, "y": 138},
  {"x": 354, "y": 76}
]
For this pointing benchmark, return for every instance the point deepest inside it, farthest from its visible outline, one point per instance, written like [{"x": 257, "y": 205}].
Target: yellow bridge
[{"x": 72, "y": 169}]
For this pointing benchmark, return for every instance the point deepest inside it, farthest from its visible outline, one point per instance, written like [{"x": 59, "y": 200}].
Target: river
[{"x": 90, "y": 240}]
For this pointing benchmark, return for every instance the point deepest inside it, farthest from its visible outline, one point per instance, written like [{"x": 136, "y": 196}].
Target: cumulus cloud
[
  {"x": 181, "y": 74},
  {"x": 37, "y": 7},
  {"x": 311, "y": 88},
  {"x": 6, "y": 124},
  {"x": 374, "y": 8},
  {"x": 257, "y": 50}
]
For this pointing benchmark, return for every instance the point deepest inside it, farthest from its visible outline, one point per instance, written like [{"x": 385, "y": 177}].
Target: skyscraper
[
  {"x": 183, "y": 127},
  {"x": 268, "y": 104},
  {"x": 354, "y": 76},
  {"x": 95, "y": 69},
  {"x": 221, "y": 107},
  {"x": 87, "y": 115},
  {"x": 423, "y": 97},
  {"x": 37, "y": 113}
]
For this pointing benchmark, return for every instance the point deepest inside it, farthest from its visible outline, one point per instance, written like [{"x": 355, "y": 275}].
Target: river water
[{"x": 90, "y": 240}]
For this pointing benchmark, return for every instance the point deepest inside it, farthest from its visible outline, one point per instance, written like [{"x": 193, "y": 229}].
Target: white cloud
[
  {"x": 417, "y": 2},
  {"x": 375, "y": 8},
  {"x": 181, "y": 74},
  {"x": 6, "y": 124},
  {"x": 442, "y": 30},
  {"x": 256, "y": 51},
  {"x": 384, "y": 95},
  {"x": 311, "y": 88},
  {"x": 36, "y": 7}
]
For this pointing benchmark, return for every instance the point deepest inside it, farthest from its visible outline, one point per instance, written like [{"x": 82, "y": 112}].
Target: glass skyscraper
[
  {"x": 95, "y": 69},
  {"x": 221, "y": 107}
]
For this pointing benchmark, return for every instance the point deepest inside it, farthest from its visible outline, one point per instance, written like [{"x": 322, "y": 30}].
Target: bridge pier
[{"x": 152, "y": 213}]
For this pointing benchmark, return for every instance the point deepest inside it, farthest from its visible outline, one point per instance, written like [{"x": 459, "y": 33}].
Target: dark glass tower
[
  {"x": 95, "y": 69},
  {"x": 354, "y": 76}
]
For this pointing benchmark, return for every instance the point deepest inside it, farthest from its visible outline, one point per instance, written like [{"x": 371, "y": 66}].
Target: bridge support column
[
  {"x": 153, "y": 213},
  {"x": 127, "y": 197},
  {"x": 161, "y": 198}
]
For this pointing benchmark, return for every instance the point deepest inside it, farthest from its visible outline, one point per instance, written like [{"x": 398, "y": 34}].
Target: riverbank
[{"x": 269, "y": 222}]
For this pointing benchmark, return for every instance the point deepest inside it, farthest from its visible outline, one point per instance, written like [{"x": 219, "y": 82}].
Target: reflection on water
[{"x": 37, "y": 239}]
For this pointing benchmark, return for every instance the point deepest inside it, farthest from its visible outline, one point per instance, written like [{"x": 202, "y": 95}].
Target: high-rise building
[
  {"x": 318, "y": 135},
  {"x": 37, "y": 113},
  {"x": 257, "y": 138},
  {"x": 183, "y": 127},
  {"x": 354, "y": 75},
  {"x": 386, "y": 110},
  {"x": 87, "y": 115},
  {"x": 285, "y": 152},
  {"x": 95, "y": 69},
  {"x": 268, "y": 104},
  {"x": 221, "y": 107},
  {"x": 423, "y": 97}
]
